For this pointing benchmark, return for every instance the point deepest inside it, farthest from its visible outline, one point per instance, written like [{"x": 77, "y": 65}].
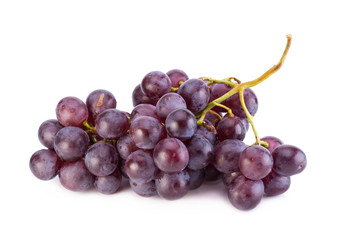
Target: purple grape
[
  {"x": 275, "y": 184},
  {"x": 155, "y": 84},
  {"x": 138, "y": 97},
  {"x": 143, "y": 110},
  {"x": 218, "y": 90},
  {"x": 289, "y": 160},
  {"x": 212, "y": 118},
  {"x": 227, "y": 155},
  {"x": 171, "y": 155},
  {"x": 121, "y": 166},
  {"x": 168, "y": 103},
  {"x": 146, "y": 132},
  {"x": 230, "y": 128},
  {"x": 125, "y": 145},
  {"x": 71, "y": 111},
  {"x": 101, "y": 159},
  {"x": 71, "y": 143},
  {"x": 197, "y": 178},
  {"x": 245, "y": 194},
  {"x": 181, "y": 124},
  {"x": 144, "y": 189},
  {"x": 111, "y": 124},
  {"x": 207, "y": 133},
  {"x": 98, "y": 101},
  {"x": 212, "y": 174},
  {"x": 245, "y": 123},
  {"x": 255, "y": 162},
  {"x": 172, "y": 186},
  {"x": 75, "y": 176},
  {"x": 201, "y": 152},
  {"x": 177, "y": 75},
  {"x": 195, "y": 93},
  {"x": 108, "y": 184},
  {"x": 140, "y": 167},
  {"x": 47, "y": 132},
  {"x": 45, "y": 164},
  {"x": 228, "y": 178},
  {"x": 273, "y": 142},
  {"x": 251, "y": 103}
]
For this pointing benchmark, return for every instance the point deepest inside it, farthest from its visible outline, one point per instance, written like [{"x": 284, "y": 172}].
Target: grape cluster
[{"x": 160, "y": 147}]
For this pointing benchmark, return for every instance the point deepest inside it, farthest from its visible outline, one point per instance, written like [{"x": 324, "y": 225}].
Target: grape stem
[
  {"x": 238, "y": 87},
  {"x": 89, "y": 127}
]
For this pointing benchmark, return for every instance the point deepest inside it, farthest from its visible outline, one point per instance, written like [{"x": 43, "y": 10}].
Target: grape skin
[
  {"x": 172, "y": 186},
  {"x": 71, "y": 111},
  {"x": 98, "y": 101},
  {"x": 125, "y": 145},
  {"x": 177, "y": 75},
  {"x": 101, "y": 159},
  {"x": 146, "y": 132},
  {"x": 212, "y": 174},
  {"x": 111, "y": 124},
  {"x": 197, "y": 178},
  {"x": 75, "y": 176},
  {"x": 144, "y": 189},
  {"x": 273, "y": 142},
  {"x": 71, "y": 143},
  {"x": 155, "y": 84},
  {"x": 45, "y": 164},
  {"x": 227, "y": 154},
  {"x": 208, "y": 134},
  {"x": 140, "y": 167},
  {"x": 288, "y": 160},
  {"x": 195, "y": 93},
  {"x": 201, "y": 152},
  {"x": 230, "y": 128},
  {"x": 143, "y": 110},
  {"x": 171, "y": 155},
  {"x": 47, "y": 132},
  {"x": 251, "y": 103},
  {"x": 168, "y": 103},
  {"x": 181, "y": 124},
  {"x": 245, "y": 194},
  {"x": 255, "y": 162},
  {"x": 108, "y": 184},
  {"x": 275, "y": 184},
  {"x": 138, "y": 97}
]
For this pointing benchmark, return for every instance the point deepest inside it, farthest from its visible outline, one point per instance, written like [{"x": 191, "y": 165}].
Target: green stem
[{"x": 89, "y": 127}]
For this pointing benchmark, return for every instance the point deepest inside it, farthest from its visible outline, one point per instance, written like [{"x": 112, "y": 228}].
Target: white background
[{"x": 53, "y": 49}]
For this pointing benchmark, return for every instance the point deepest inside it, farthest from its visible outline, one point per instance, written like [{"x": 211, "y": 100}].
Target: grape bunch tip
[{"x": 181, "y": 133}]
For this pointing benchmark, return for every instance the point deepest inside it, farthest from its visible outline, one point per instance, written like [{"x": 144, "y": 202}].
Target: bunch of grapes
[{"x": 182, "y": 132}]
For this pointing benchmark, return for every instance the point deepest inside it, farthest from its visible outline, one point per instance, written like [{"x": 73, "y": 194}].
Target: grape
[
  {"x": 230, "y": 128},
  {"x": 208, "y": 134},
  {"x": 212, "y": 174},
  {"x": 144, "y": 189},
  {"x": 71, "y": 143},
  {"x": 71, "y": 111},
  {"x": 45, "y": 164},
  {"x": 140, "y": 167},
  {"x": 218, "y": 90},
  {"x": 138, "y": 97},
  {"x": 181, "y": 124},
  {"x": 125, "y": 145},
  {"x": 98, "y": 101},
  {"x": 75, "y": 176},
  {"x": 146, "y": 132},
  {"x": 171, "y": 155},
  {"x": 195, "y": 93},
  {"x": 111, "y": 124},
  {"x": 101, "y": 159},
  {"x": 143, "y": 110},
  {"x": 108, "y": 184},
  {"x": 227, "y": 155},
  {"x": 47, "y": 132},
  {"x": 155, "y": 84},
  {"x": 255, "y": 162},
  {"x": 121, "y": 166},
  {"x": 229, "y": 177},
  {"x": 177, "y": 75},
  {"x": 168, "y": 103},
  {"x": 275, "y": 184},
  {"x": 172, "y": 186},
  {"x": 251, "y": 103},
  {"x": 273, "y": 142},
  {"x": 289, "y": 160},
  {"x": 245, "y": 123},
  {"x": 197, "y": 178},
  {"x": 212, "y": 118},
  {"x": 245, "y": 194},
  {"x": 201, "y": 152}
]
